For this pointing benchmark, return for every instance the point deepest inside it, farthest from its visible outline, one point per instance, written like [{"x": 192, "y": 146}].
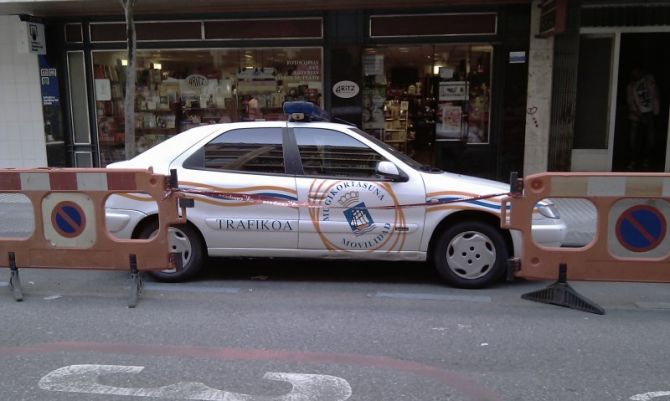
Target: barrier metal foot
[
  {"x": 136, "y": 283},
  {"x": 562, "y": 294},
  {"x": 177, "y": 261},
  {"x": 15, "y": 280}
]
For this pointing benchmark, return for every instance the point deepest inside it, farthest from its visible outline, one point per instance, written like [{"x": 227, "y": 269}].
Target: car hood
[
  {"x": 447, "y": 187},
  {"x": 457, "y": 183}
]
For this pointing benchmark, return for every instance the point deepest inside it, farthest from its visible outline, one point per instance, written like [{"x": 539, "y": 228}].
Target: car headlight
[{"x": 547, "y": 209}]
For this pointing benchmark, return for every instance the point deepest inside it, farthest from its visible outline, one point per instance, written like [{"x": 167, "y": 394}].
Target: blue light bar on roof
[{"x": 304, "y": 111}]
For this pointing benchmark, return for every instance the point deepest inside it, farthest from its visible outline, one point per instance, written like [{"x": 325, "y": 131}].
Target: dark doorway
[{"x": 650, "y": 54}]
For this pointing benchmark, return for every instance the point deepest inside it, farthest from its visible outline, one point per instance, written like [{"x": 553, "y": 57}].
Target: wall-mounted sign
[
  {"x": 517, "y": 57},
  {"x": 31, "y": 38},
  {"x": 346, "y": 89},
  {"x": 196, "y": 81}
]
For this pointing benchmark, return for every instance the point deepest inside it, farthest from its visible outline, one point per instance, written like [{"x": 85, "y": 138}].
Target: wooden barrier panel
[
  {"x": 70, "y": 230},
  {"x": 632, "y": 242}
]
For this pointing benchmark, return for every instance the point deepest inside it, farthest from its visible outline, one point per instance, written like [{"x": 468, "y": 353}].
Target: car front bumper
[{"x": 122, "y": 222}]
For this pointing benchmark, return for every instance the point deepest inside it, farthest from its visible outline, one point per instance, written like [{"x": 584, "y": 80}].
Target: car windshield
[{"x": 403, "y": 157}]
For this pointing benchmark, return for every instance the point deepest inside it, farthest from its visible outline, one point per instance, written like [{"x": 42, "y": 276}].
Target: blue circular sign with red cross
[
  {"x": 68, "y": 219},
  {"x": 641, "y": 228}
]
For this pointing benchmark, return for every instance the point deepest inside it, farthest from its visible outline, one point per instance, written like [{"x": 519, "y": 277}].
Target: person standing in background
[
  {"x": 254, "y": 110},
  {"x": 643, "y": 106}
]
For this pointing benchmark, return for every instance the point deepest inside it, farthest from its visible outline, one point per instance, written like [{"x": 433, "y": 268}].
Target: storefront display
[
  {"x": 443, "y": 89},
  {"x": 181, "y": 89}
]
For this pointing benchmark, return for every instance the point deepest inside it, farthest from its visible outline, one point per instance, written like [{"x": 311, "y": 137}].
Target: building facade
[
  {"x": 21, "y": 122},
  {"x": 606, "y": 105},
  {"x": 437, "y": 82}
]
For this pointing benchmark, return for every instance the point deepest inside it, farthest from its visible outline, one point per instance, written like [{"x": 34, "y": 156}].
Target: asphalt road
[{"x": 304, "y": 330}]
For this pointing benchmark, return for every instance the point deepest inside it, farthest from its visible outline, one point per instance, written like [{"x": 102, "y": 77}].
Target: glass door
[{"x": 641, "y": 133}]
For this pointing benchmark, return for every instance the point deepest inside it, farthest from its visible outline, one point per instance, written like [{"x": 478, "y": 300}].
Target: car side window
[
  {"x": 257, "y": 150},
  {"x": 332, "y": 153}
]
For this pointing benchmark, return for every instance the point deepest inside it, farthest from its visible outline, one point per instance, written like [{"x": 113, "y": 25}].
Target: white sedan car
[{"x": 324, "y": 190}]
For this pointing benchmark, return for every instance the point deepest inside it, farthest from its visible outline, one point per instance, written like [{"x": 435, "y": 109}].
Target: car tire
[
  {"x": 183, "y": 238},
  {"x": 470, "y": 254}
]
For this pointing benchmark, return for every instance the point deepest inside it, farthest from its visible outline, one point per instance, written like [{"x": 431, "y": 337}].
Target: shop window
[
  {"x": 257, "y": 150},
  {"x": 416, "y": 95},
  {"x": 181, "y": 89},
  {"x": 334, "y": 154}
]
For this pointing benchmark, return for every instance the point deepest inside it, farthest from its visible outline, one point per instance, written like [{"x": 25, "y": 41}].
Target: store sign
[
  {"x": 346, "y": 89},
  {"x": 197, "y": 81}
]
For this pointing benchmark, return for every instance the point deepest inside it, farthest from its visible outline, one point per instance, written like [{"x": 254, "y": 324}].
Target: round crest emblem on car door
[{"x": 356, "y": 215}]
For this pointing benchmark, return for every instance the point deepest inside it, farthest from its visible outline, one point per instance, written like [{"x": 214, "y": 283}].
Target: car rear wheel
[
  {"x": 184, "y": 239},
  {"x": 470, "y": 254}
]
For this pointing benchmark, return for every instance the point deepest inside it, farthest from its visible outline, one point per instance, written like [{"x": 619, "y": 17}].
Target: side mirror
[{"x": 390, "y": 171}]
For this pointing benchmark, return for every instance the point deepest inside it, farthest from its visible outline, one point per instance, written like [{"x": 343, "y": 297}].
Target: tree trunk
[{"x": 131, "y": 74}]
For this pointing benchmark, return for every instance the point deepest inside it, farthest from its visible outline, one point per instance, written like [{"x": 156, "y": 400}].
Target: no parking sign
[
  {"x": 638, "y": 228},
  {"x": 69, "y": 220}
]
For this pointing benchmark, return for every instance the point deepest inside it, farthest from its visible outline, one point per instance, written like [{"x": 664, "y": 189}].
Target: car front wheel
[
  {"x": 470, "y": 254},
  {"x": 184, "y": 239}
]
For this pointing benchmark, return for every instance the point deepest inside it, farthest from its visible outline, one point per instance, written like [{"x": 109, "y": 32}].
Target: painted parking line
[
  {"x": 653, "y": 305},
  {"x": 189, "y": 288},
  {"x": 85, "y": 379},
  {"x": 649, "y": 396},
  {"x": 432, "y": 297}
]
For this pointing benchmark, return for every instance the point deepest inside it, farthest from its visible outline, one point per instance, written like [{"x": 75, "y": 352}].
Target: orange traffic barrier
[
  {"x": 631, "y": 241},
  {"x": 70, "y": 230}
]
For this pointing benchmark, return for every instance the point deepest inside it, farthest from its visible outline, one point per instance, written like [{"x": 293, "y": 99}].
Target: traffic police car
[{"x": 315, "y": 189}]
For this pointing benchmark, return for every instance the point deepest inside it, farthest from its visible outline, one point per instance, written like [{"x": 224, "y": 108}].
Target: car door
[
  {"x": 352, "y": 209},
  {"x": 238, "y": 170}
]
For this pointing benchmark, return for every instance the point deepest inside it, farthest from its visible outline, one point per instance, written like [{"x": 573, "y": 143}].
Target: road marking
[
  {"x": 458, "y": 382},
  {"x": 84, "y": 379},
  {"x": 653, "y": 305},
  {"x": 432, "y": 297},
  {"x": 189, "y": 288},
  {"x": 649, "y": 396}
]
